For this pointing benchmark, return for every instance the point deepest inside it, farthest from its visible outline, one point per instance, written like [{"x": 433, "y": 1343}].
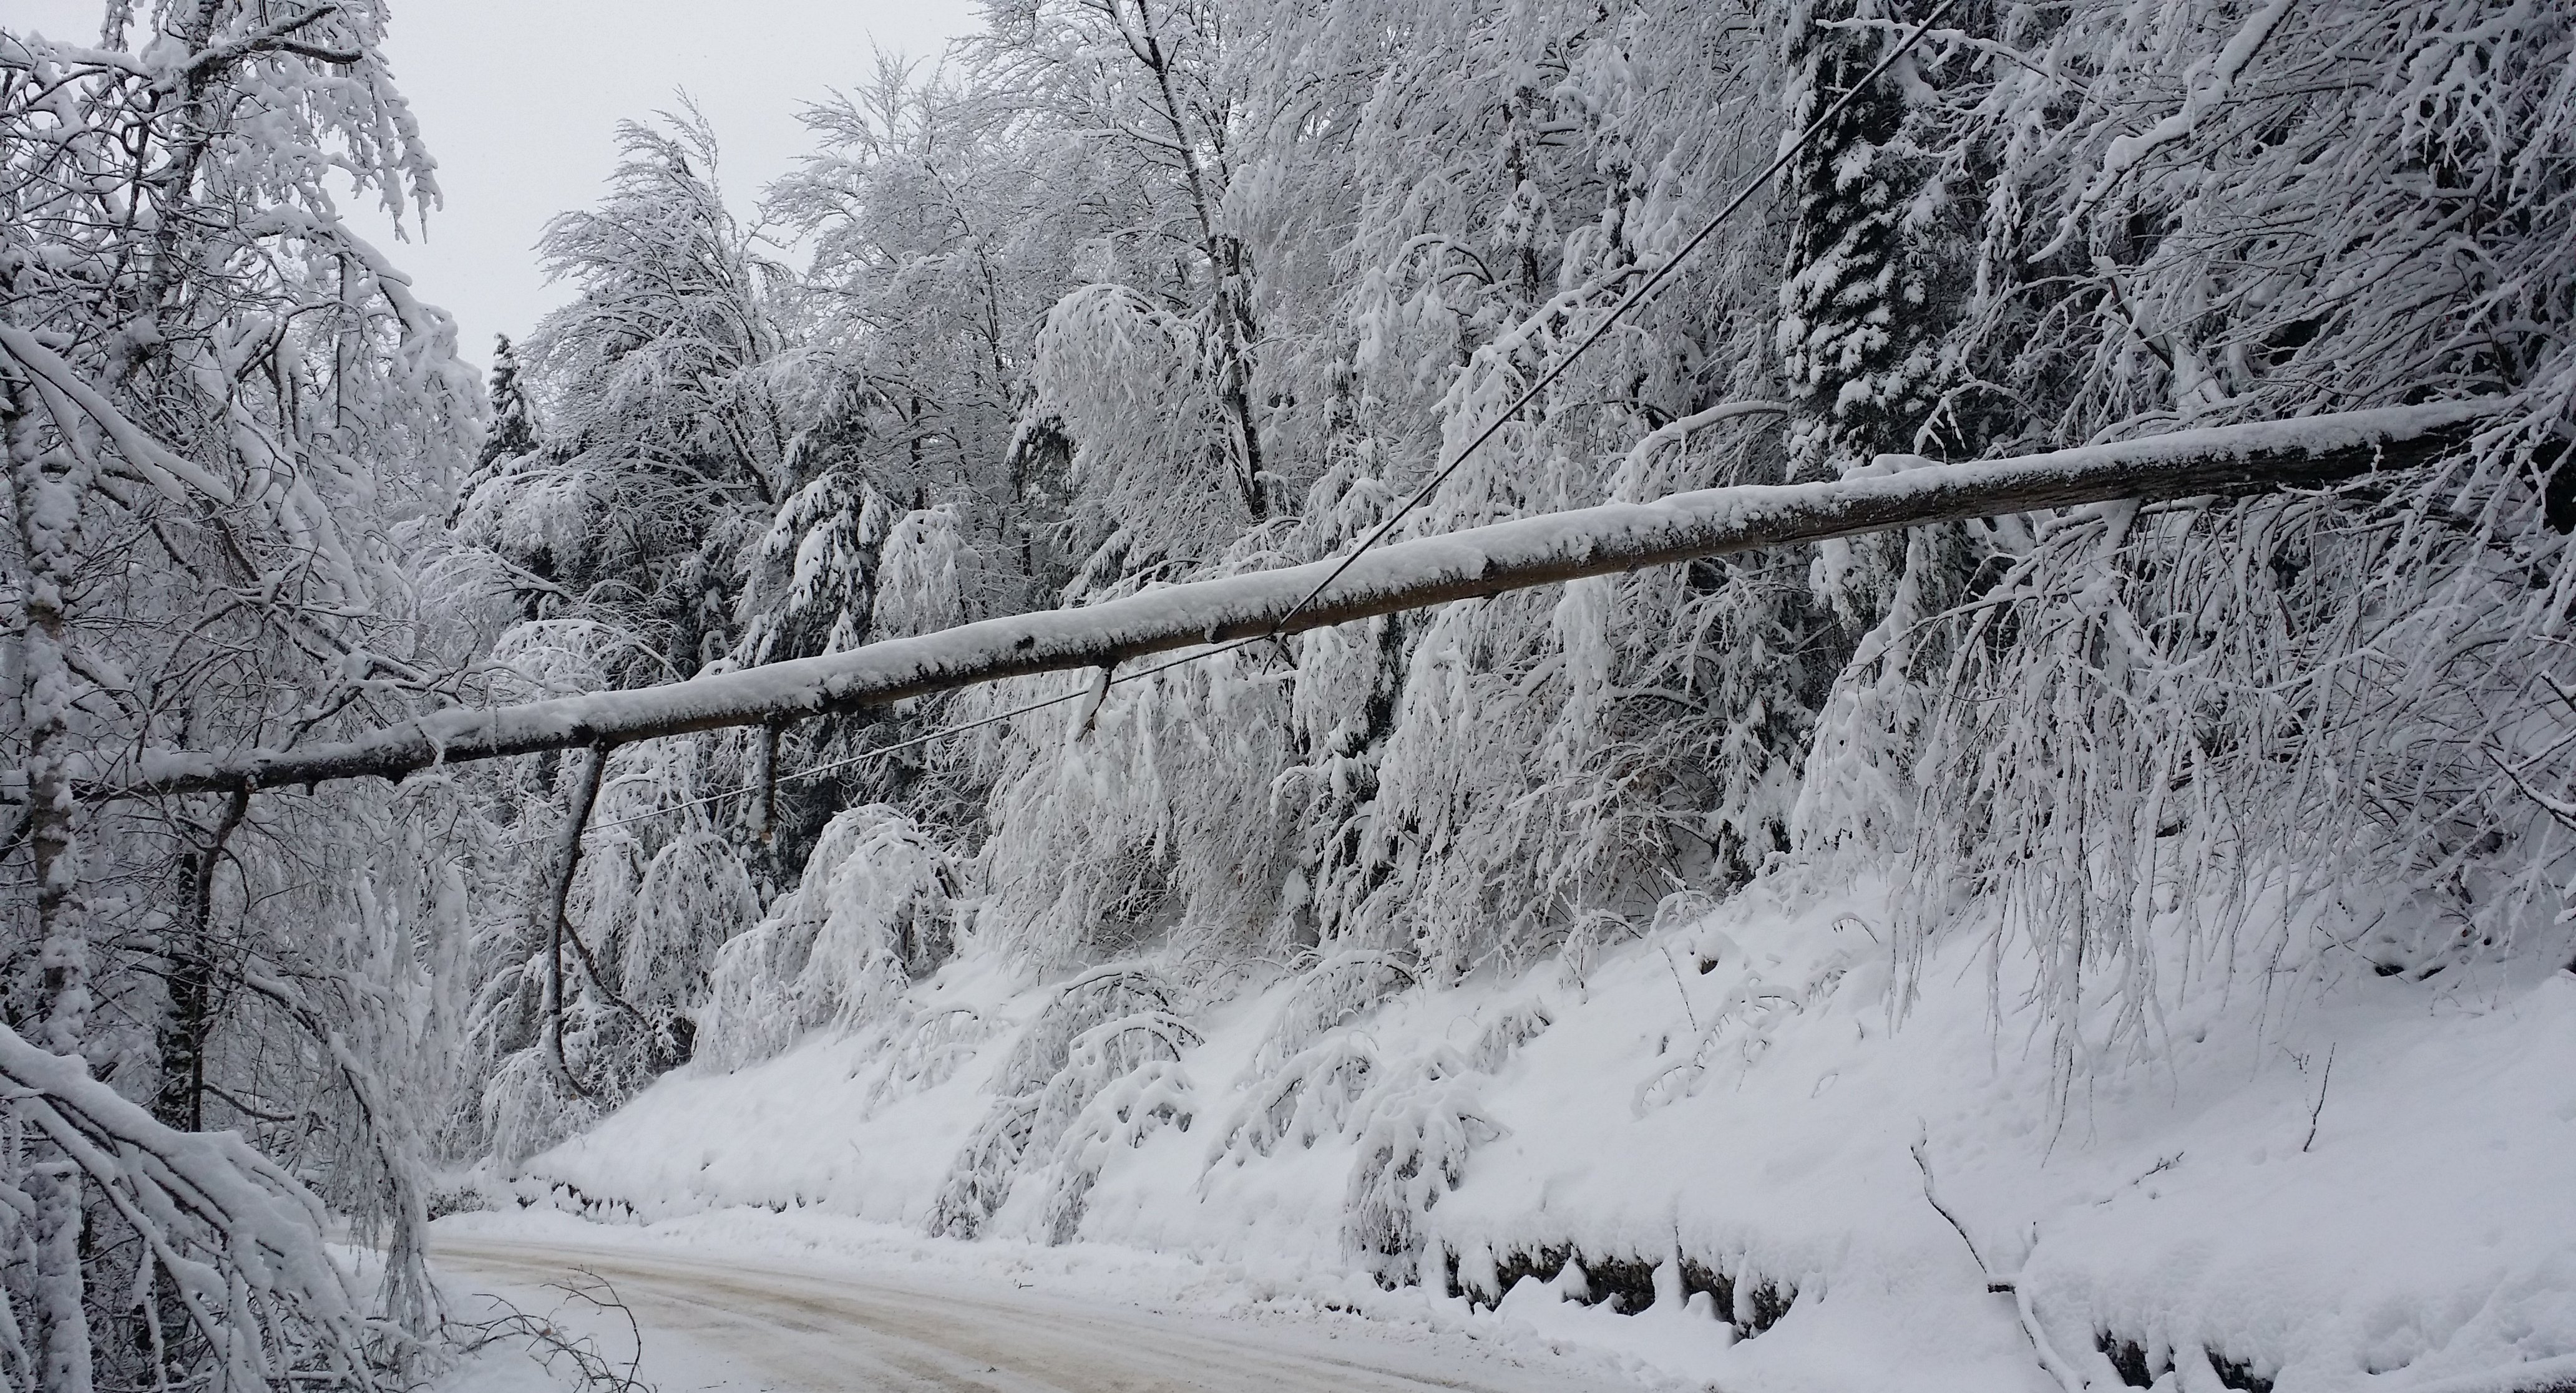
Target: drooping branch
[{"x": 1899, "y": 491}]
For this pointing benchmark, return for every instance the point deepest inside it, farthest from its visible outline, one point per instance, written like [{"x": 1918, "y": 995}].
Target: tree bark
[
  {"x": 1900, "y": 492},
  {"x": 761, "y": 827},
  {"x": 580, "y": 794},
  {"x": 48, "y": 486},
  {"x": 47, "y": 499},
  {"x": 181, "y": 1098}
]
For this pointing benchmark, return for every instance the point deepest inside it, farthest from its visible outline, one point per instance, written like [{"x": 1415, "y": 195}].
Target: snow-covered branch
[
  {"x": 1897, "y": 492},
  {"x": 238, "y": 1240}
]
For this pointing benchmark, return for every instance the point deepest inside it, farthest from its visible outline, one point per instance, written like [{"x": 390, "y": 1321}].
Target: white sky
[{"x": 518, "y": 99}]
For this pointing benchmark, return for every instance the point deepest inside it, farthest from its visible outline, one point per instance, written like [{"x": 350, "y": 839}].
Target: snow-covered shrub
[
  {"x": 1412, "y": 1118},
  {"x": 1413, "y": 1132},
  {"x": 1100, "y": 1057},
  {"x": 1514, "y": 1024},
  {"x": 1741, "y": 1026},
  {"x": 981, "y": 1176},
  {"x": 924, "y": 1053},
  {"x": 1094, "y": 998},
  {"x": 1096, "y": 1029},
  {"x": 1123, "y": 1081},
  {"x": 1332, "y": 992},
  {"x": 1310, "y": 1096},
  {"x": 874, "y": 910}
]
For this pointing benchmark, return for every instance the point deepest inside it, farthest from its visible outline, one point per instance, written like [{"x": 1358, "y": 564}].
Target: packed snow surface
[
  {"x": 1715, "y": 1154},
  {"x": 713, "y": 1316}
]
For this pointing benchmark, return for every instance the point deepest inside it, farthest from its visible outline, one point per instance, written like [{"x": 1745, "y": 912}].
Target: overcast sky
[{"x": 518, "y": 100}]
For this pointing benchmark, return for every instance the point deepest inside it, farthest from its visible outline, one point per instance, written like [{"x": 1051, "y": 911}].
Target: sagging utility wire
[{"x": 1636, "y": 296}]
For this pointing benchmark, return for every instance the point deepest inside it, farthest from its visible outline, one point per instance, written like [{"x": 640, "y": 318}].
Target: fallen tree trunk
[{"x": 1899, "y": 491}]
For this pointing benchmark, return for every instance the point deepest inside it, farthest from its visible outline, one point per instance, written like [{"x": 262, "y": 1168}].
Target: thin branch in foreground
[{"x": 550, "y": 1344}]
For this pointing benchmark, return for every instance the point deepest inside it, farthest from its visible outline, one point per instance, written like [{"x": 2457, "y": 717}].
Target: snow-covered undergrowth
[{"x": 1720, "y": 1153}]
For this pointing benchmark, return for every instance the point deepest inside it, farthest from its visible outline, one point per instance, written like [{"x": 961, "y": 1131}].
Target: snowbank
[{"x": 1717, "y": 1154}]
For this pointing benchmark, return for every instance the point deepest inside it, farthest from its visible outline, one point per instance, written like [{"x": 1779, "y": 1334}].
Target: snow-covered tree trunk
[
  {"x": 62, "y": 1284},
  {"x": 48, "y": 485},
  {"x": 1901, "y": 492},
  {"x": 580, "y": 792},
  {"x": 1232, "y": 332}
]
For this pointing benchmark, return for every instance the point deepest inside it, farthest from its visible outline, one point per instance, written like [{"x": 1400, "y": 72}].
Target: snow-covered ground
[
  {"x": 713, "y": 1317},
  {"x": 1714, "y": 1156}
]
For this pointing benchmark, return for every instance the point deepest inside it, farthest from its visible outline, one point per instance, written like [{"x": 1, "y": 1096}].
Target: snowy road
[{"x": 722, "y": 1324}]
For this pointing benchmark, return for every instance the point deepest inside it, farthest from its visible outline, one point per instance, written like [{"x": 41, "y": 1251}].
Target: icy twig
[{"x": 2325, "y": 1081}]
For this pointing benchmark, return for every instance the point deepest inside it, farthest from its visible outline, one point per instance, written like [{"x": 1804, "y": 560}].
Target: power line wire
[{"x": 1636, "y": 296}]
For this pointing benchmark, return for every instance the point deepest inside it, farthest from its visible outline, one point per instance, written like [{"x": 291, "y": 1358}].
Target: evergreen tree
[
  {"x": 1859, "y": 328},
  {"x": 513, "y": 432}
]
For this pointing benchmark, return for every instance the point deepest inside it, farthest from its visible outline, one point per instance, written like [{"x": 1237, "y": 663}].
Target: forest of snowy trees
[{"x": 1128, "y": 293}]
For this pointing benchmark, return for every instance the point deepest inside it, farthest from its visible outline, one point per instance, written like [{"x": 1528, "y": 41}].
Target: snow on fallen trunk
[{"x": 1897, "y": 491}]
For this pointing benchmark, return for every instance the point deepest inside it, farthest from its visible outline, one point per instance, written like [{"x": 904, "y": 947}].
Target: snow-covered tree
[
  {"x": 1144, "y": 293},
  {"x": 230, "y": 428},
  {"x": 1135, "y": 105},
  {"x": 513, "y": 432},
  {"x": 667, "y": 436},
  {"x": 2210, "y": 213}
]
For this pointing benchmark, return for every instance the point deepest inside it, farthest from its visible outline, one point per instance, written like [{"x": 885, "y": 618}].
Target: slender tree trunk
[
  {"x": 1235, "y": 336},
  {"x": 582, "y": 791},
  {"x": 1232, "y": 332},
  {"x": 762, "y": 822},
  {"x": 190, "y": 959},
  {"x": 62, "y": 1287},
  {"x": 46, "y": 490},
  {"x": 188, "y": 978}
]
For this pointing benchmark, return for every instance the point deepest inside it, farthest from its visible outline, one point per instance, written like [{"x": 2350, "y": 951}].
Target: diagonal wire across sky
[{"x": 1637, "y": 295}]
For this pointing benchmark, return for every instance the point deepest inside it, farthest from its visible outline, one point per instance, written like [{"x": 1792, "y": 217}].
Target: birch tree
[{"x": 227, "y": 421}]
